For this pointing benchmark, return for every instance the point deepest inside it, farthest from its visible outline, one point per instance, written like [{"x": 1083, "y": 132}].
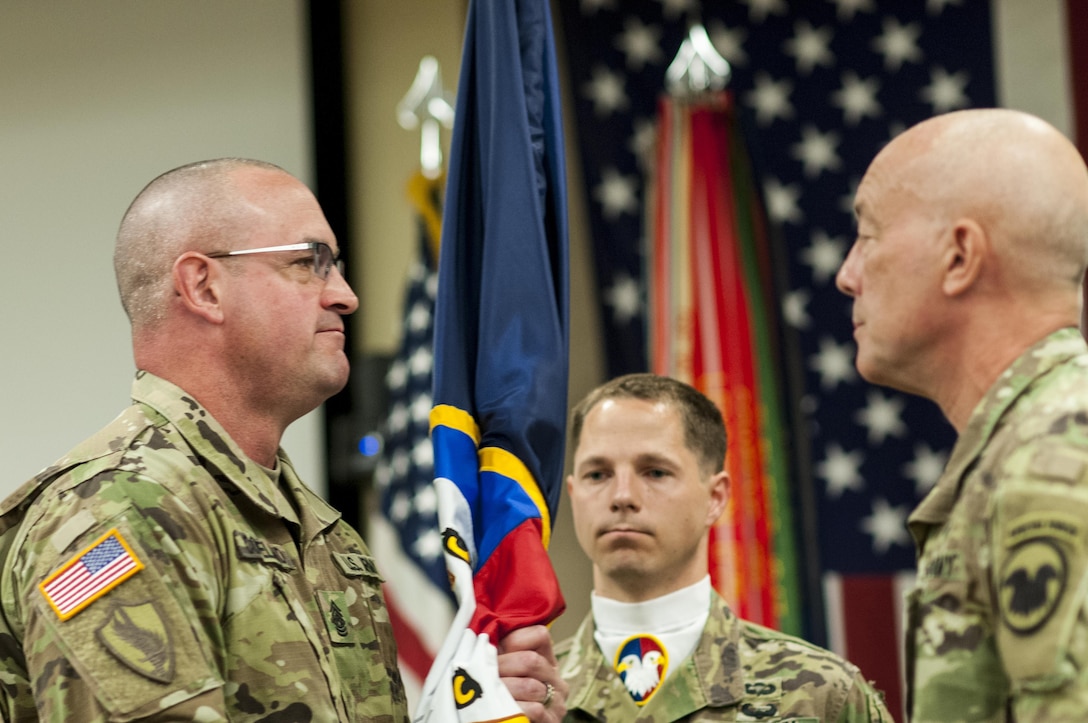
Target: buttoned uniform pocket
[
  {"x": 358, "y": 623},
  {"x": 954, "y": 669}
]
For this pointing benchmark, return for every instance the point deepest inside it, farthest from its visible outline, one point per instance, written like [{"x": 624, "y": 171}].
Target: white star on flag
[
  {"x": 834, "y": 363},
  {"x": 770, "y": 98},
  {"x": 782, "y": 201},
  {"x": 857, "y": 98},
  {"x": 887, "y": 525},
  {"x": 625, "y": 298},
  {"x": 848, "y": 8},
  {"x": 591, "y": 7},
  {"x": 824, "y": 255},
  {"x": 729, "y": 42},
  {"x": 398, "y": 417},
  {"x": 429, "y": 544},
  {"x": 400, "y": 507},
  {"x": 809, "y": 46},
  {"x": 882, "y": 416},
  {"x": 846, "y": 201},
  {"x": 426, "y": 500},
  {"x": 616, "y": 193},
  {"x": 606, "y": 91},
  {"x": 840, "y": 470},
  {"x": 400, "y": 462},
  {"x": 423, "y": 454},
  {"x": 946, "y": 91},
  {"x": 421, "y": 407},
  {"x": 898, "y": 44},
  {"x": 816, "y": 151},
  {"x": 926, "y": 468},
  {"x": 936, "y": 7},
  {"x": 640, "y": 43},
  {"x": 758, "y": 10},
  {"x": 421, "y": 361},
  {"x": 643, "y": 143},
  {"x": 677, "y": 8},
  {"x": 419, "y": 318},
  {"x": 397, "y": 375},
  {"x": 795, "y": 309}
]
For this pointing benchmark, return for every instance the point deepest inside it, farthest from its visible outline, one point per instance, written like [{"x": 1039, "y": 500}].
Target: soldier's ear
[
  {"x": 963, "y": 256},
  {"x": 198, "y": 285},
  {"x": 719, "y": 497}
]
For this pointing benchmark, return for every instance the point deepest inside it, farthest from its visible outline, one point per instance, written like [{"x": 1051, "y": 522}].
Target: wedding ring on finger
[{"x": 548, "y": 695}]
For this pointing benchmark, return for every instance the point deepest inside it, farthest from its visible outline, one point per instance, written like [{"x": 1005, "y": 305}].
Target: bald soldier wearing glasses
[{"x": 174, "y": 566}]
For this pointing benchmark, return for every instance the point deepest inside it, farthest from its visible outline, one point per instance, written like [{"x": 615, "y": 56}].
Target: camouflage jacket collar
[
  {"x": 710, "y": 677},
  {"x": 219, "y": 453},
  {"x": 1039, "y": 359}
]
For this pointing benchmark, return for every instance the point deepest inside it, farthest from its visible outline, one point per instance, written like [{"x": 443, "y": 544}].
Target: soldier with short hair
[
  {"x": 660, "y": 644},
  {"x": 174, "y": 566},
  {"x": 966, "y": 278}
]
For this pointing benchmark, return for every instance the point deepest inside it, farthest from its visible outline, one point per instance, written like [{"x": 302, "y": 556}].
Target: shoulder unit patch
[{"x": 138, "y": 636}]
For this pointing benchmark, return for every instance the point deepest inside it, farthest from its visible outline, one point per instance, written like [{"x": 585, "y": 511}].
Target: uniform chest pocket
[
  {"x": 354, "y": 611},
  {"x": 952, "y": 652},
  {"x": 357, "y": 623},
  {"x": 252, "y": 576}
]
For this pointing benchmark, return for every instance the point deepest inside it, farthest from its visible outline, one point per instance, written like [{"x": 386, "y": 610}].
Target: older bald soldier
[{"x": 966, "y": 278}]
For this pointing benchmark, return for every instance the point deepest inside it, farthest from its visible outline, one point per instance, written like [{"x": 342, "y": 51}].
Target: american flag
[
  {"x": 90, "y": 575},
  {"x": 824, "y": 84},
  {"x": 403, "y": 531}
]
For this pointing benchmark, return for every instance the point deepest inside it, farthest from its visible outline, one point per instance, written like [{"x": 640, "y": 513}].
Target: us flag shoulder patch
[{"x": 107, "y": 563}]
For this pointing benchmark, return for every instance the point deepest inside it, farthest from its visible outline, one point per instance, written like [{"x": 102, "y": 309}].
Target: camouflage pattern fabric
[
  {"x": 739, "y": 671},
  {"x": 255, "y": 602},
  {"x": 997, "y": 627}
]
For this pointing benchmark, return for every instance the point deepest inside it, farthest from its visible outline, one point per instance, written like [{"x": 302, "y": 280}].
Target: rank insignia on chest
[
  {"x": 642, "y": 663},
  {"x": 91, "y": 574}
]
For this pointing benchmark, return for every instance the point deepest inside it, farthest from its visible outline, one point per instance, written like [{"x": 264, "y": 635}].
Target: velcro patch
[
  {"x": 92, "y": 573},
  {"x": 1053, "y": 464},
  {"x": 335, "y": 609},
  {"x": 138, "y": 636},
  {"x": 1033, "y": 580},
  {"x": 251, "y": 549},
  {"x": 355, "y": 565}
]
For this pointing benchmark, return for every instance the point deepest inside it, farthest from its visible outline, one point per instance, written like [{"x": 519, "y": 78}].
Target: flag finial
[
  {"x": 427, "y": 105},
  {"x": 698, "y": 67}
]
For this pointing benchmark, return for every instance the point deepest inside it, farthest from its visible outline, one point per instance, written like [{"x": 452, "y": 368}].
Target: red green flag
[{"x": 713, "y": 324}]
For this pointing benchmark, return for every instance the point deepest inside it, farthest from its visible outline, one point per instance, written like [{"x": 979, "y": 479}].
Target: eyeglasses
[{"x": 323, "y": 260}]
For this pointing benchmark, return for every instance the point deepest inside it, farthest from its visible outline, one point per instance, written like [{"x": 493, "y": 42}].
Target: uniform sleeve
[
  {"x": 1039, "y": 545},
  {"x": 119, "y": 587},
  {"x": 864, "y": 704}
]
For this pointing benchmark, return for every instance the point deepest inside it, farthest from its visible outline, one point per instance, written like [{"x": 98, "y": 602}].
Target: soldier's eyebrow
[
  {"x": 654, "y": 459},
  {"x": 597, "y": 460}
]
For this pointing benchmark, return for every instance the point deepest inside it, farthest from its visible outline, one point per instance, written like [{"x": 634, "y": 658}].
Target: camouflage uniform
[
  {"x": 255, "y": 601},
  {"x": 997, "y": 627},
  {"x": 739, "y": 671}
]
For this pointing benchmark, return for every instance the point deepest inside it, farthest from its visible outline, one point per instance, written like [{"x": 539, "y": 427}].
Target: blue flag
[{"x": 501, "y": 352}]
